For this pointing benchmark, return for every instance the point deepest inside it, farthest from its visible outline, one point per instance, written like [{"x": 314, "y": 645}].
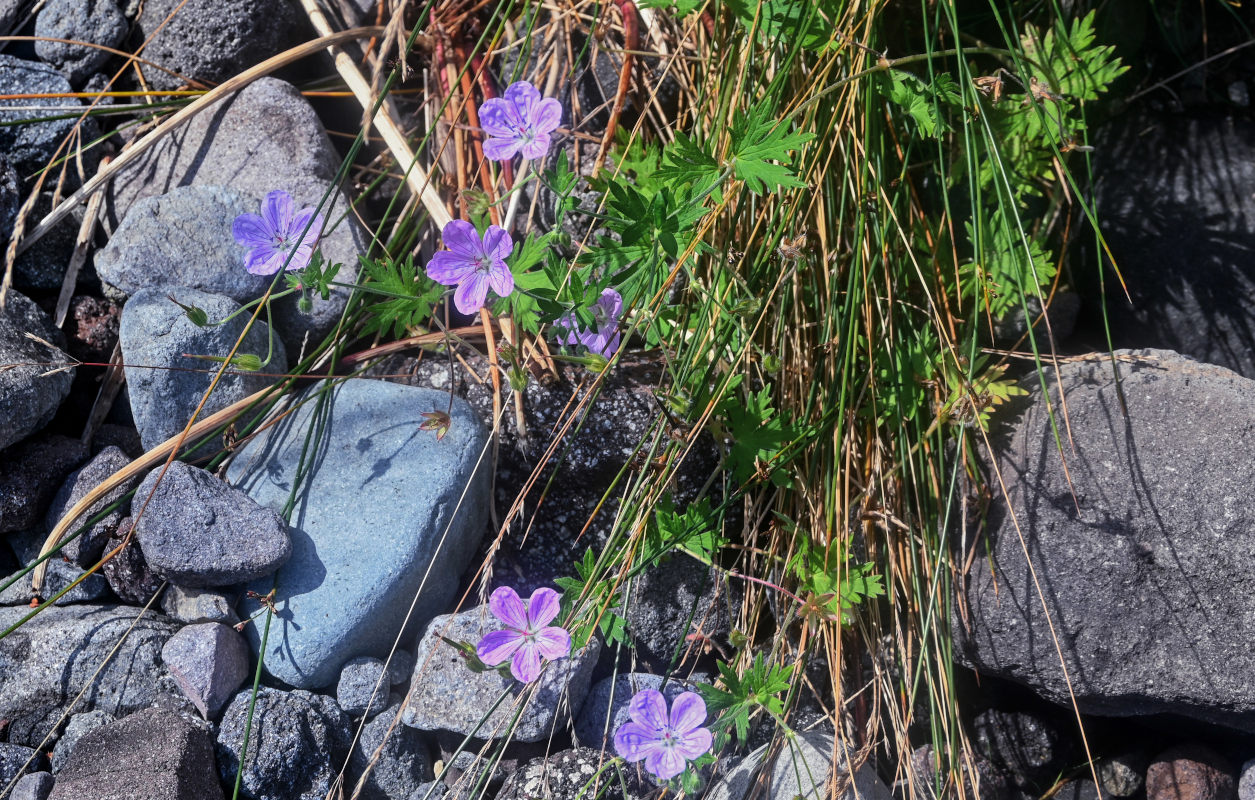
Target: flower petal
[
  {"x": 649, "y": 708},
  {"x": 499, "y": 118},
  {"x": 553, "y": 642},
  {"x": 497, "y": 243},
  {"x": 545, "y": 115},
  {"x": 694, "y": 744},
  {"x": 665, "y": 762},
  {"x": 449, "y": 269},
  {"x": 497, "y": 646},
  {"x": 611, "y": 303},
  {"x": 525, "y": 97},
  {"x": 634, "y": 741},
  {"x": 303, "y": 219},
  {"x": 471, "y": 293},
  {"x": 611, "y": 339},
  {"x": 501, "y": 280},
  {"x": 537, "y": 147},
  {"x": 250, "y": 231},
  {"x": 264, "y": 260},
  {"x": 301, "y": 256},
  {"x": 525, "y": 666},
  {"x": 460, "y": 237},
  {"x": 688, "y": 712},
  {"x": 506, "y": 605},
  {"x": 502, "y": 149},
  {"x": 542, "y": 607},
  {"x": 276, "y": 210}
]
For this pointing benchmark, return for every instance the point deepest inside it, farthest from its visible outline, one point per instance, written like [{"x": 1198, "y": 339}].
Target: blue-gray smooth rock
[
  {"x": 155, "y": 333},
  {"x": 95, "y": 21},
  {"x": 32, "y": 786},
  {"x": 374, "y": 519},
  {"x": 447, "y": 696},
  {"x": 198, "y": 531},
  {"x": 28, "y": 396}
]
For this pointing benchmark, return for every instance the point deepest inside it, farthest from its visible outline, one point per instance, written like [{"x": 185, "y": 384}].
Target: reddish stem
[{"x": 631, "y": 42}]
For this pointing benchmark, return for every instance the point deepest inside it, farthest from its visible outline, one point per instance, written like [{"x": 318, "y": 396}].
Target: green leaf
[
  {"x": 758, "y": 140},
  {"x": 921, "y": 100},
  {"x": 759, "y": 437},
  {"x": 407, "y": 298},
  {"x": 682, "y": 8},
  {"x": 1069, "y": 62},
  {"x": 810, "y": 24},
  {"x": 1005, "y": 266},
  {"x": 684, "y": 161},
  {"x": 692, "y": 531}
]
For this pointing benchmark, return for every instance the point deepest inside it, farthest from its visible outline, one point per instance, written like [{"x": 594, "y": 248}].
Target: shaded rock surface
[
  {"x": 990, "y": 782},
  {"x": 572, "y": 775},
  {"x": 88, "y": 546},
  {"x": 266, "y": 137},
  {"x": 29, "y": 475},
  {"x": 379, "y": 485},
  {"x": 1123, "y": 775},
  {"x": 50, "y": 659},
  {"x": 403, "y": 766},
  {"x": 153, "y": 754},
  {"x": 13, "y": 758},
  {"x": 28, "y": 397},
  {"x": 198, "y": 531},
  {"x": 42, "y": 267},
  {"x": 31, "y": 145},
  {"x": 802, "y": 769},
  {"x": 128, "y": 573},
  {"x": 95, "y": 21},
  {"x": 1027, "y": 746},
  {"x": 208, "y": 661},
  {"x": 1138, "y": 550},
  {"x": 673, "y": 599},
  {"x": 26, "y": 545},
  {"x": 78, "y": 726},
  {"x": 362, "y": 689},
  {"x": 446, "y": 696},
  {"x": 296, "y": 746},
  {"x": 155, "y": 333}
]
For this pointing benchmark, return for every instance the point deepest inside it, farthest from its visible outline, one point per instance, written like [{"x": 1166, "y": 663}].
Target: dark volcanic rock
[
  {"x": 42, "y": 267},
  {"x": 28, "y": 396},
  {"x": 1190, "y": 772},
  {"x": 13, "y": 758},
  {"x": 30, "y": 146},
  {"x": 128, "y": 573},
  {"x": 10, "y": 199},
  {"x": 29, "y": 475},
  {"x": 87, "y": 547},
  {"x": 403, "y": 765},
  {"x": 153, "y": 754},
  {"x": 572, "y": 775},
  {"x": 1138, "y": 549},
  {"x": 95, "y": 21},
  {"x": 673, "y": 599},
  {"x": 1027, "y": 746},
  {"x": 1175, "y": 201}
]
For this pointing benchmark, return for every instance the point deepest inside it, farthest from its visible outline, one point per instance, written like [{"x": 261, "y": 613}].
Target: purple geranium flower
[
  {"x": 473, "y": 264},
  {"x": 665, "y": 741},
  {"x": 526, "y": 639},
  {"x": 519, "y": 121},
  {"x": 277, "y": 233},
  {"x": 604, "y": 338}
]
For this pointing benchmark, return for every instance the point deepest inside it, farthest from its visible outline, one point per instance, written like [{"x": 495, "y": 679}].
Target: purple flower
[
  {"x": 276, "y": 233},
  {"x": 526, "y": 639},
  {"x": 473, "y": 264},
  {"x": 604, "y": 338},
  {"x": 519, "y": 121},
  {"x": 665, "y": 741}
]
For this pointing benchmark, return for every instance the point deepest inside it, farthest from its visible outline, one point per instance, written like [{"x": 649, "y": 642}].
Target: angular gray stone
[
  {"x": 95, "y": 21},
  {"x": 1025, "y": 744},
  {"x": 400, "y": 667},
  {"x": 28, "y": 396},
  {"x": 609, "y": 699},
  {"x": 1124, "y": 775},
  {"x": 78, "y": 726},
  {"x": 266, "y": 137},
  {"x": 361, "y": 679},
  {"x": 402, "y": 766},
  {"x": 576, "y": 774},
  {"x": 212, "y": 40},
  {"x": 199, "y": 531},
  {"x": 295, "y": 749},
  {"x": 153, "y": 754},
  {"x": 208, "y": 661},
  {"x": 447, "y": 696},
  {"x": 155, "y": 333},
  {"x": 47, "y": 661},
  {"x": 29, "y": 474},
  {"x": 13, "y": 762},
  {"x": 378, "y": 484},
  {"x": 127, "y": 572},
  {"x": 88, "y": 546},
  {"x": 669, "y": 601},
  {"x": 1138, "y": 548},
  {"x": 91, "y": 589},
  {"x": 182, "y": 238},
  {"x": 33, "y": 786},
  {"x": 42, "y": 266},
  {"x": 200, "y": 605},
  {"x": 30, "y": 145},
  {"x": 802, "y": 769}
]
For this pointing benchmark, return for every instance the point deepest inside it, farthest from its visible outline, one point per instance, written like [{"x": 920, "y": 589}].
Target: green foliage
[
  {"x": 742, "y": 695},
  {"x": 682, "y": 8},
  {"x": 758, "y": 140},
  {"x": 809, "y": 24},
  {"x": 1005, "y": 267},
  {"x": 759, "y": 438},
  {"x": 692, "y": 531},
  {"x": 604, "y": 599},
  {"x": 1068, "y": 60},
  {"x": 410, "y": 297},
  {"x": 924, "y": 102},
  {"x": 830, "y": 586},
  {"x": 971, "y": 401}
]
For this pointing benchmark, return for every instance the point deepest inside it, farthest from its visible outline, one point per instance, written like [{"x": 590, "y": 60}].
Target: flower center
[{"x": 483, "y": 264}]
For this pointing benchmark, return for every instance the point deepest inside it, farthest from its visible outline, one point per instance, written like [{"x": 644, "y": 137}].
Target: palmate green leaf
[
  {"x": 692, "y": 531},
  {"x": 922, "y": 100},
  {"x": 757, "y": 141},
  {"x": 405, "y": 298},
  {"x": 809, "y": 23},
  {"x": 684, "y": 161},
  {"x": 759, "y": 436},
  {"x": 682, "y": 8},
  {"x": 1070, "y": 63},
  {"x": 760, "y": 686}
]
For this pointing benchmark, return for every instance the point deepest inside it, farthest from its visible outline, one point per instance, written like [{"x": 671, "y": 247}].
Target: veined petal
[
  {"x": 525, "y": 97},
  {"x": 501, "y": 149},
  {"x": 497, "y": 243},
  {"x": 611, "y": 303},
  {"x": 276, "y": 210},
  {"x": 525, "y": 665},
  {"x": 471, "y": 293},
  {"x": 537, "y": 147},
  {"x": 634, "y": 741},
  {"x": 665, "y": 762},
  {"x": 506, "y": 605},
  {"x": 449, "y": 269},
  {"x": 301, "y": 256},
  {"x": 501, "y": 280},
  {"x": 612, "y": 338},
  {"x": 497, "y": 646},
  {"x": 542, "y": 607},
  {"x": 306, "y": 217},
  {"x": 250, "y": 231},
  {"x": 694, "y": 744},
  {"x": 264, "y": 260},
  {"x": 460, "y": 237},
  {"x": 553, "y": 642},
  {"x": 545, "y": 115},
  {"x": 688, "y": 712},
  {"x": 499, "y": 117},
  {"x": 567, "y": 329},
  {"x": 649, "y": 708}
]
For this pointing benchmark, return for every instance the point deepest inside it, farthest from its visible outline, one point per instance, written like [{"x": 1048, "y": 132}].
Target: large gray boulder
[
  {"x": 376, "y": 484},
  {"x": 29, "y": 395},
  {"x": 264, "y": 138},
  {"x": 164, "y": 384},
  {"x": 1139, "y": 552}
]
